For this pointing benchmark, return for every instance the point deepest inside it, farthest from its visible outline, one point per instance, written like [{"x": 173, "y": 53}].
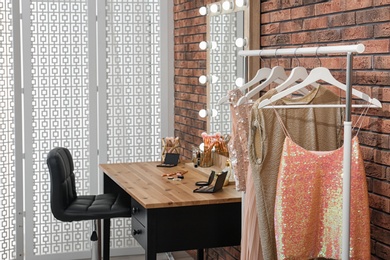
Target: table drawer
[
  {"x": 138, "y": 212},
  {"x": 138, "y": 231}
]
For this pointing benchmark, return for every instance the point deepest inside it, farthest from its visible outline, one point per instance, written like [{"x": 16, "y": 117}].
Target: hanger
[
  {"x": 277, "y": 75},
  {"x": 297, "y": 73},
  {"x": 320, "y": 73},
  {"x": 261, "y": 74}
]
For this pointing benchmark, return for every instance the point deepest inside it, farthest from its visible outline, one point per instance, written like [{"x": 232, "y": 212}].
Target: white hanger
[
  {"x": 316, "y": 74},
  {"x": 297, "y": 73},
  {"x": 277, "y": 75},
  {"x": 261, "y": 74}
]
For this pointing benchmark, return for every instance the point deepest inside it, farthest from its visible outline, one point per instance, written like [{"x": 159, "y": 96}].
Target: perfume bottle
[{"x": 229, "y": 172}]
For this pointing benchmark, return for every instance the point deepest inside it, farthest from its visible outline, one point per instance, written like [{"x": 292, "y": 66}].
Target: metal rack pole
[
  {"x": 345, "y": 243},
  {"x": 358, "y": 48}
]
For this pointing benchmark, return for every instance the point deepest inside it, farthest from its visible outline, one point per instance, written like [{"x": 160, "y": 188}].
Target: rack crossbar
[{"x": 358, "y": 48}]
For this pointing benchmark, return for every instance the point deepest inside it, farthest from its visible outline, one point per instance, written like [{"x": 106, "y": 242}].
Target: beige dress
[
  {"x": 238, "y": 155},
  {"x": 312, "y": 128}
]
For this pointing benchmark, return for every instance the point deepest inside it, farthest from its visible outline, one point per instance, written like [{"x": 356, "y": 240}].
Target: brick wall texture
[{"x": 302, "y": 23}]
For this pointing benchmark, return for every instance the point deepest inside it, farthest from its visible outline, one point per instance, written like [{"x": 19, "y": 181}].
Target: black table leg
[
  {"x": 150, "y": 255},
  {"x": 106, "y": 239},
  {"x": 199, "y": 255}
]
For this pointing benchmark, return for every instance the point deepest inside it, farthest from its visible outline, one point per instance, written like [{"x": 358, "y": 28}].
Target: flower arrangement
[{"x": 212, "y": 143}]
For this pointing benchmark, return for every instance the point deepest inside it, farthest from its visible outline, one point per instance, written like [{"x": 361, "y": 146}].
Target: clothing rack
[{"x": 341, "y": 49}]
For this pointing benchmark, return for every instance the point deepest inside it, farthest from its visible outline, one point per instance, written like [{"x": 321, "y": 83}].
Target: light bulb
[
  {"x": 214, "y": 113},
  {"x": 203, "y": 113},
  {"x": 239, "y": 82},
  {"x": 214, "y": 79},
  {"x": 240, "y": 42},
  {"x": 203, "y": 79},
  {"x": 203, "y": 10},
  {"x": 214, "y": 8},
  {"x": 208, "y": 112},
  {"x": 227, "y": 5},
  {"x": 240, "y": 3},
  {"x": 203, "y": 45}
]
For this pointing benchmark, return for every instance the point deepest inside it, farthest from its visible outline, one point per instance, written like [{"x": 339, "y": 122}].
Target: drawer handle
[
  {"x": 137, "y": 232},
  {"x": 135, "y": 210}
]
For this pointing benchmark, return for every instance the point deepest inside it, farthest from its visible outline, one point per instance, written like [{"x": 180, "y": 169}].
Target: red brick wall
[
  {"x": 295, "y": 23},
  {"x": 190, "y": 63}
]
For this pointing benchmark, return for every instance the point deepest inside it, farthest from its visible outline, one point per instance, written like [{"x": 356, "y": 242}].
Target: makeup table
[{"x": 167, "y": 215}]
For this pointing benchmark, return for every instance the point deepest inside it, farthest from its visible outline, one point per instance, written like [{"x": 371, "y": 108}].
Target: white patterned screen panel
[
  {"x": 133, "y": 80},
  {"x": 7, "y": 137},
  {"x": 59, "y": 65},
  {"x": 223, "y": 67},
  {"x": 133, "y": 91}
]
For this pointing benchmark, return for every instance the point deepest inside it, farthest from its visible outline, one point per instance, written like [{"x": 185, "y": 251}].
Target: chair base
[{"x": 106, "y": 239}]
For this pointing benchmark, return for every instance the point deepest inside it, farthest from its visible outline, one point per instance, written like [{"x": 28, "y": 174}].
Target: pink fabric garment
[
  {"x": 238, "y": 144},
  {"x": 250, "y": 239},
  {"x": 238, "y": 153},
  {"x": 312, "y": 128},
  {"x": 308, "y": 207}
]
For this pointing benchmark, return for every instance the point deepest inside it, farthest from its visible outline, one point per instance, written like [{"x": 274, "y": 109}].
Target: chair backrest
[{"x": 63, "y": 187}]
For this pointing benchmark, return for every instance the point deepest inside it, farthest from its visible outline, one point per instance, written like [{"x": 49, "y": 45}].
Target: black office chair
[{"x": 67, "y": 206}]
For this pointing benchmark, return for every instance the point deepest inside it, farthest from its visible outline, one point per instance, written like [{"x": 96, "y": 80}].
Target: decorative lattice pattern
[
  {"x": 59, "y": 114},
  {"x": 60, "y": 111},
  {"x": 223, "y": 66},
  {"x": 7, "y": 137},
  {"x": 133, "y": 80},
  {"x": 133, "y": 90}
]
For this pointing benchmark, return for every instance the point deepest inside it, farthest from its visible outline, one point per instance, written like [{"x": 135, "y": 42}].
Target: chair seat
[{"x": 103, "y": 206}]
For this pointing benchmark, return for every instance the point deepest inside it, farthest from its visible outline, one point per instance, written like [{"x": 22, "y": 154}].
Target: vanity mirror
[{"x": 229, "y": 29}]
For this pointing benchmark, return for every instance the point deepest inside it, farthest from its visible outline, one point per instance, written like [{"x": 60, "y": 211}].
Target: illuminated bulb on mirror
[
  {"x": 240, "y": 42},
  {"x": 239, "y": 82},
  {"x": 203, "y": 113},
  {"x": 204, "y": 45},
  {"x": 203, "y": 10},
  {"x": 209, "y": 112},
  {"x": 214, "y": 113},
  {"x": 214, "y": 79},
  {"x": 214, "y": 8},
  {"x": 240, "y": 3},
  {"x": 203, "y": 79},
  {"x": 227, "y": 5}
]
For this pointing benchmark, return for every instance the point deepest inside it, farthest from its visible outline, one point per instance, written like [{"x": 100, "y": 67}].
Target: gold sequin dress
[{"x": 308, "y": 206}]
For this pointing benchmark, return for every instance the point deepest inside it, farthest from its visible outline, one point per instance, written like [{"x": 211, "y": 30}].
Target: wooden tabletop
[{"x": 144, "y": 182}]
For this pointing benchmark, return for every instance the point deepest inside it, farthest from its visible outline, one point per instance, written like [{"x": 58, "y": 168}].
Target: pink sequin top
[
  {"x": 238, "y": 144},
  {"x": 313, "y": 128},
  {"x": 308, "y": 206}
]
